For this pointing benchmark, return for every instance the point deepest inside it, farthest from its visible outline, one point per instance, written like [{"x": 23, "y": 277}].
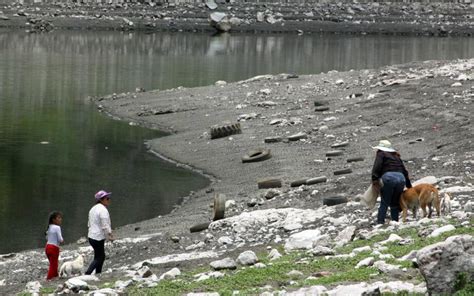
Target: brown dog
[{"x": 421, "y": 195}]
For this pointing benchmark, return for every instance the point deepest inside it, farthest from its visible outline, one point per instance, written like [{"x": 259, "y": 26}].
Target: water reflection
[{"x": 45, "y": 80}]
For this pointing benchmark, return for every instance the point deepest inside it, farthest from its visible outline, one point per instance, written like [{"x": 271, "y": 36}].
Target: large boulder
[
  {"x": 442, "y": 264},
  {"x": 220, "y": 21},
  {"x": 302, "y": 240}
]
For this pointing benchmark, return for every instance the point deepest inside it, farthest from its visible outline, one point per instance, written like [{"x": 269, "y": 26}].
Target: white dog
[
  {"x": 71, "y": 267},
  {"x": 446, "y": 204}
]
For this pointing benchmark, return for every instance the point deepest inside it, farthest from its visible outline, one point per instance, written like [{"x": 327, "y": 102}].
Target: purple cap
[{"x": 101, "y": 194}]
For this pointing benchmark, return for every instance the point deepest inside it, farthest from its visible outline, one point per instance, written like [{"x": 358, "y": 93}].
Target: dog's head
[{"x": 79, "y": 260}]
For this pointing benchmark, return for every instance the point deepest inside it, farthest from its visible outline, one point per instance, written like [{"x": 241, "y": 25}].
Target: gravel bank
[{"x": 433, "y": 19}]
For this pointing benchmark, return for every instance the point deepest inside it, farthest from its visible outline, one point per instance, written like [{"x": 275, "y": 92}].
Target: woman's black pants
[{"x": 99, "y": 256}]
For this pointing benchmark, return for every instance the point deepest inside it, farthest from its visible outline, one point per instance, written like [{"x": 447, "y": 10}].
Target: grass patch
[
  {"x": 342, "y": 270},
  {"x": 275, "y": 274},
  {"x": 401, "y": 250}
]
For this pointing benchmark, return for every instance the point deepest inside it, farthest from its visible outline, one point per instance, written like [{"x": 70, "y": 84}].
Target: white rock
[
  {"x": 441, "y": 230},
  {"x": 426, "y": 180},
  {"x": 220, "y": 83},
  {"x": 460, "y": 215},
  {"x": 33, "y": 287},
  {"x": 457, "y": 189},
  {"x": 171, "y": 274},
  {"x": 322, "y": 251},
  {"x": 386, "y": 256},
  {"x": 260, "y": 265},
  {"x": 307, "y": 291},
  {"x": 229, "y": 204},
  {"x": 176, "y": 258},
  {"x": 75, "y": 283},
  {"x": 399, "y": 286},
  {"x": 384, "y": 267},
  {"x": 225, "y": 240},
  {"x": 339, "y": 82},
  {"x": 423, "y": 221},
  {"x": 104, "y": 292},
  {"x": 362, "y": 249},
  {"x": 226, "y": 263},
  {"x": 295, "y": 274},
  {"x": 247, "y": 258},
  {"x": 338, "y": 221},
  {"x": 365, "y": 262},
  {"x": 87, "y": 278},
  {"x": 274, "y": 254},
  {"x": 392, "y": 238},
  {"x": 345, "y": 236},
  {"x": 349, "y": 290},
  {"x": 122, "y": 284},
  {"x": 302, "y": 240},
  {"x": 247, "y": 223}
]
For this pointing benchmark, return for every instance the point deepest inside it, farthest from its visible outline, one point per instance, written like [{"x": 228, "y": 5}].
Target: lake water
[{"x": 56, "y": 150}]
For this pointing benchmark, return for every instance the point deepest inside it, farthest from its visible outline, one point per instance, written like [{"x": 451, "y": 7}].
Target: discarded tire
[
  {"x": 219, "y": 206},
  {"x": 298, "y": 183},
  {"x": 259, "y": 154},
  {"x": 354, "y": 159},
  {"x": 316, "y": 180},
  {"x": 334, "y": 153},
  {"x": 319, "y": 103},
  {"x": 225, "y": 130},
  {"x": 334, "y": 200},
  {"x": 298, "y": 136},
  {"x": 269, "y": 183},
  {"x": 199, "y": 227},
  {"x": 342, "y": 172},
  {"x": 272, "y": 139},
  {"x": 321, "y": 108},
  {"x": 340, "y": 144}
]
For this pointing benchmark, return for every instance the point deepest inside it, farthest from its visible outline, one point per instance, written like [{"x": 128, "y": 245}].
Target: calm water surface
[{"x": 56, "y": 150}]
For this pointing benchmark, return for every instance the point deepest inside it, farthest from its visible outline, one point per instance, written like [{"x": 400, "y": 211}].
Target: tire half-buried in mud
[
  {"x": 259, "y": 154},
  {"x": 225, "y": 130},
  {"x": 334, "y": 200},
  {"x": 219, "y": 206},
  {"x": 199, "y": 227}
]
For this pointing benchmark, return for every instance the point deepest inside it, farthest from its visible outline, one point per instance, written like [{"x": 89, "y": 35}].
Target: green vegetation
[
  {"x": 47, "y": 290},
  {"x": 275, "y": 274},
  {"x": 464, "y": 285}
]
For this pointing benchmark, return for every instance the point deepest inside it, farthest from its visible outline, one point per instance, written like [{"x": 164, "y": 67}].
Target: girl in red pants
[{"x": 55, "y": 238}]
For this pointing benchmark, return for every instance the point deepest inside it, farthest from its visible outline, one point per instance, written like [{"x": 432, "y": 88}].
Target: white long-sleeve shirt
[
  {"x": 99, "y": 222},
  {"x": 54, "y": 235}
]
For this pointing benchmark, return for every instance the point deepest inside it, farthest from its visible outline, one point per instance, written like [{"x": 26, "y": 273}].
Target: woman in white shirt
[
  {"x": 99, "y": 229},
  {"x": 54, "y": 239}
]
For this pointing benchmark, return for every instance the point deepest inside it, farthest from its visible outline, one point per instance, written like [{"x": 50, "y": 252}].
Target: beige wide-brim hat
[{"x": 384, "y": 145}]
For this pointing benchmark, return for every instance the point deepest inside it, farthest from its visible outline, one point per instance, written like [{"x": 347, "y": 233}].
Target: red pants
[{"x": 52, "y": 252}]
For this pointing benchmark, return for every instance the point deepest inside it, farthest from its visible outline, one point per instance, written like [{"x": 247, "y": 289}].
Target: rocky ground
[
  {"x": 438, "y": 19},
  {"x": 312, "y": 125}
]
